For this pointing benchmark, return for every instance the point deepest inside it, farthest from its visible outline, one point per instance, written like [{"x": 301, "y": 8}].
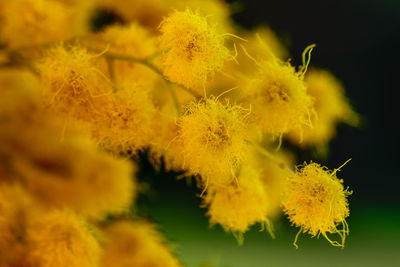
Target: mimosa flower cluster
[{"x": 179, "y": 79}]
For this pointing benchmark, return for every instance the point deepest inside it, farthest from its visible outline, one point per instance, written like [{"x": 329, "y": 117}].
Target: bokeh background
[{"x": 359, "y": 42}]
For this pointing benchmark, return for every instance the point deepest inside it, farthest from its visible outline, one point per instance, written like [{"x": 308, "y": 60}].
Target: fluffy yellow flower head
[
  {"x": 32, "y": 22},
  {"x": 240, "y": 204},
  {"x": 72, "y": 83},
  {"x": 132, "y": 40},
  {"x": 213, "y": 137},
  {"x": 316, "y": 201},
  {"x": 74, "y": 174},
  {"x": 193, "y": 51},
  {"x": 128, "y": 119},
  {"x": 15, "y": 209},
  {"x": 61, "y": 238},
  {"x": 278, "y": 97},
  {"x": 136, "y": 244},
  {"x": 331, "y": 107}
]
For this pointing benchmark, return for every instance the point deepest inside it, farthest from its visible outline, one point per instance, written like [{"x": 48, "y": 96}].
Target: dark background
[{"x": 359, "y": 42}]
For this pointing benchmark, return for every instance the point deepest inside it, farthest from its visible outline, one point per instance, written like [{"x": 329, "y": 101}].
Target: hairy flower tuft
[
  {"x": 72, "y": 83},
  {"x": 193, "y": 51},
  {"x": 240, "y": 204},
  {"x": 279, "y": 98},
  {"x": 136, "y": 244},
  {"x": 213, "y": 138},
  {"x": 135, "y": 41},
  {"x": 61, "y": 238},
  {"x": 128, "y": 119},
  {"x": 316, "y": 201}
]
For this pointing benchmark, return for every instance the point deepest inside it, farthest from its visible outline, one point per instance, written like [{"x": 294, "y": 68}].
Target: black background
[{"x": 359, "y": 42}]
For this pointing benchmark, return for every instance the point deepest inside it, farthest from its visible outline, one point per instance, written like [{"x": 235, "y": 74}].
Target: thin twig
[
  {"x": 148, "y": 64},
  {"x": 171, "y": 89}
]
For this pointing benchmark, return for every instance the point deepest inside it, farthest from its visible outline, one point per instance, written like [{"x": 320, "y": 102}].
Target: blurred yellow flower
[
  {"x": 61, "y": 238},
  {"x": 331, "y": 108},
  {"x": 32, "y": 22},
  {"x": 136, "y": 244}
]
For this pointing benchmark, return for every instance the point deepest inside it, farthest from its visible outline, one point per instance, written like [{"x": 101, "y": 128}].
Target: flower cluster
[{"x": 177, "y": 78}]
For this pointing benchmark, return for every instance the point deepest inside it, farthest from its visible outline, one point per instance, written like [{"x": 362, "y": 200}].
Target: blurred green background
[{"x": 374, "y": 234}]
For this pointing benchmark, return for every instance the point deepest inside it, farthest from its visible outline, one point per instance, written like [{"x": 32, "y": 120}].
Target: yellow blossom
[
  {"x": 33, "y": 22},
  {"x": 136, "y": 244},
  {"x": 240, "y": 204},
  {"x": 264, "y": 44},
  {"x": 72, "y": 83},
  {"x": 316, "y": 201},
  {"x": 61, "y": 238},
  {"x": 135, "y": 41},
  {"x": 128, "y": 118},
  {"x": 331, "y": 107},
  {"x": 279, "y": 98},
  {"x": 132, "y": 40},
  {"x": 16, "y": 207},
  {"x": 193, "y": 51},
  {"x": 74, "y": 174},
  {"x": 213, "y": 138},
  {"x": 273, "y": 176}
]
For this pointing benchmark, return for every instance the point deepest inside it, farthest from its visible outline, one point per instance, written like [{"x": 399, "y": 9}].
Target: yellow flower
[
  {"x": 136, "y": 244},
  {"x": 273, "y": 177},
  {"x": 265, "y": 45},
  {"x": 16, "y": 207},
  {"x": 74, "y": 174},
  {"x": 132, "y": 40},
  {"x": 240, "y": 204},
  {"x": 128, "y": 119},
  {"x": 72, "y": 83},
  {"x": 33, "y": 22},
  {"x": 213, "y": 138},
  {"x": 331, "y": 107},
  {"x": 278, "y": 97},
  {"x": 61, "y": 238},
  {"x": 316, "y": 201},
  {"x": 193, "y": 51}
]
